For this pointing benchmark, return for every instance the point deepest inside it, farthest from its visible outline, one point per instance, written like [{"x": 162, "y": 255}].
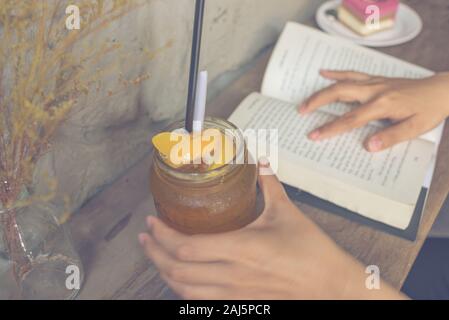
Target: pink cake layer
[{"x": 388, "y": 8}]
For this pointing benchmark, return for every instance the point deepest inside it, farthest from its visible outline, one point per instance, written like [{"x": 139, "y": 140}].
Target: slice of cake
[{"x": 367, "y": 17}]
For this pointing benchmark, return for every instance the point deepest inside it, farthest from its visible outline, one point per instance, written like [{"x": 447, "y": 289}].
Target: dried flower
[{"x": 43, "y": 73}]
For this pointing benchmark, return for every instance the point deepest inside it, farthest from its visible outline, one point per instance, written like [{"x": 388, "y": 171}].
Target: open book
[{"x": 384, "y": 187}]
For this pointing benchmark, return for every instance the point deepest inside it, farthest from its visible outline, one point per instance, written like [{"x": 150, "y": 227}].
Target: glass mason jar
[
  {"x": 37, "y": 257},
  {"x": 219, "y": 200}
]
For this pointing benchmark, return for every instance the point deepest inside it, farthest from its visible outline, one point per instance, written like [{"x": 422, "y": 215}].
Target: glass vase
[{"x": 37, "y": 256}]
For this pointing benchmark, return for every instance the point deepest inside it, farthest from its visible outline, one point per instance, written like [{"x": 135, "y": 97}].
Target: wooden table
[{"x": 105, "y": 230}]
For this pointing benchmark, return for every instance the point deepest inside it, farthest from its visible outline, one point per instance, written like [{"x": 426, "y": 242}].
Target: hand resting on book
[{"x": 414, "y": 106}]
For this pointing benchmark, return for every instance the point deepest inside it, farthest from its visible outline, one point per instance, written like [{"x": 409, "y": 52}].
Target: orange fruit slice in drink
[{"x": 179, "y": 149}]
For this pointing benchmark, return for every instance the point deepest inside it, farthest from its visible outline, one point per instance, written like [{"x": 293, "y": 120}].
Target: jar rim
[
  {"x": 19, "y": 203},
  {"x": 212, "y": 123}
]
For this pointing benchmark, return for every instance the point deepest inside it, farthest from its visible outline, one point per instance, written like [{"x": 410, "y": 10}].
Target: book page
[
  {"x": 301, "y": 52},
  {"x": 396, "y": 174}
]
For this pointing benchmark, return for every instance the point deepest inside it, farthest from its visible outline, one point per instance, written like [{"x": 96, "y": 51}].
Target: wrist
[
  {"x": 355, "y": 284},
  {"x": 444, "y": 80}
]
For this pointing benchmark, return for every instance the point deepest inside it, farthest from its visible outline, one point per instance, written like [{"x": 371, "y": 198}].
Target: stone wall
[{"x": 107, "y": 136}]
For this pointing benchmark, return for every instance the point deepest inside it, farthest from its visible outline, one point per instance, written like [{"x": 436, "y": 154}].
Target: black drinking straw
[{"x": 194, "y": 64}]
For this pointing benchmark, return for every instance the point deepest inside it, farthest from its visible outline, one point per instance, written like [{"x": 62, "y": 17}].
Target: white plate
[{"x": 407, "y": 27}]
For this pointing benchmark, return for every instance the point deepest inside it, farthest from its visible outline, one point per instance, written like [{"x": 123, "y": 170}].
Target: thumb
[{"x": 272, "y": 189}]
